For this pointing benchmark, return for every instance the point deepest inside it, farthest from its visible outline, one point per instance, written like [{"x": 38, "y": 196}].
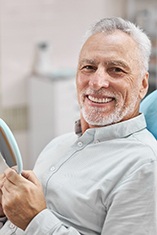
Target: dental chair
[{"x": 149, "y": 108}]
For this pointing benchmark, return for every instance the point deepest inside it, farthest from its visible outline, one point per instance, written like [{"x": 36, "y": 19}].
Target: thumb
[{"x": 29, "y": 175}]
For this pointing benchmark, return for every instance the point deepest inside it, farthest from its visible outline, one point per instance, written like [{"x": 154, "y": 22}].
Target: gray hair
[{"x": 109, "y": 25}]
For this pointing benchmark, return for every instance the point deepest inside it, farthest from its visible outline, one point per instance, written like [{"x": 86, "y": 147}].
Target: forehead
[{"x": 112, "y": 45}]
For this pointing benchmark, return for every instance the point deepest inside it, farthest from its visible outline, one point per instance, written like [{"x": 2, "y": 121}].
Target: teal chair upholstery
[{"x": 149, "y": 108}]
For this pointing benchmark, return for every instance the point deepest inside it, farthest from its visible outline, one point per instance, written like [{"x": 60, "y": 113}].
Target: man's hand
[{"x": 22, "y": 197}]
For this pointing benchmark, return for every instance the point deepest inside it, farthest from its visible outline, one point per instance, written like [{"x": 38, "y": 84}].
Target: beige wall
[{"x": 23, "y": 23}]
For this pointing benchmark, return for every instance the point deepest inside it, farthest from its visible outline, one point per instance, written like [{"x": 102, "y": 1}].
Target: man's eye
[
  {"x": 117, "y": 70},
  {"x": 88, "y": 68}
]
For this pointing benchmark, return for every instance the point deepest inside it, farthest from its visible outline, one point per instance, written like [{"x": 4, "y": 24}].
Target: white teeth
[{"x": 99, "y": 100}]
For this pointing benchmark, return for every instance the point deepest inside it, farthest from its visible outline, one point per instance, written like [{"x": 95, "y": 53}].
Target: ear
[{"x": 144, "y": 85}]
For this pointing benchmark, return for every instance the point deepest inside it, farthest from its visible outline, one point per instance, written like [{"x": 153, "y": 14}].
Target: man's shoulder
[{"x": 147, "y": 142}]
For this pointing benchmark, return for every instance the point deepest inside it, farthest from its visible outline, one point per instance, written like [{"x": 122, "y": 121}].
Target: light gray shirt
[{"x": 103, "y": 182}]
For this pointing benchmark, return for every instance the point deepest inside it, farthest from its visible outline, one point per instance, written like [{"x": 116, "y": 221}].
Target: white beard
[{"x": 96, "y": 116}]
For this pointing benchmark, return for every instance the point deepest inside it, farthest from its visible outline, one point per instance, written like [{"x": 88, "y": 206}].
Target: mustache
[{"x": 101, "y": 92}]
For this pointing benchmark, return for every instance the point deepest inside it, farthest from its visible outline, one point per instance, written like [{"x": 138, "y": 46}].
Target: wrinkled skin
[
  {"x": 110, "y": 83},
  {"x": 25, "y": 191}
]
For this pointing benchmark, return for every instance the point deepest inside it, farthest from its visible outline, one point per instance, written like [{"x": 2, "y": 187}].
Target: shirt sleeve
[
  {"x": 132, "y": 208},
  {"x": 46, "y": 223}
]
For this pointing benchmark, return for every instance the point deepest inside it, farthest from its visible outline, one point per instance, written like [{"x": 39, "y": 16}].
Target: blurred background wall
[{"x": 39, "y": 46}]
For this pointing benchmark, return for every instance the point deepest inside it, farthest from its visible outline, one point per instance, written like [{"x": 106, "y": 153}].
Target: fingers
[
  {"x": 29, "y": 175},
  {"x": 8, "y": 181},
  {"x": 2, "y": 178},
  {"x": 11, "y": 175},
  {"x": 14, "y": 180}
]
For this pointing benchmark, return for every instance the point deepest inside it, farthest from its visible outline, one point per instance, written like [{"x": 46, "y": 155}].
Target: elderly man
[{"x": 101, "y": 179}]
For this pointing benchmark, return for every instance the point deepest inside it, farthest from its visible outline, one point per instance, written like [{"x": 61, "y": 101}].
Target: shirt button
[
  {"x": 53, "y": 168},
  {"x": 12, "y": 226},
  {"x": 80, "y": 144}
]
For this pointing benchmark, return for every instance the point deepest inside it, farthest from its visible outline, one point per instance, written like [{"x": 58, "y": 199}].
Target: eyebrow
[
  {"x": 118, "y": 63},
  {"x": 87, "y": 61}
]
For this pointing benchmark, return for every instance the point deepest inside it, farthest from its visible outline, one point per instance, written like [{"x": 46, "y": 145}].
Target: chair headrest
[{"x": 149, "y": 108}]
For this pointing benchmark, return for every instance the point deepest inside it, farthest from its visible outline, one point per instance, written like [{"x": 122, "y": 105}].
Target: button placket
[
  {"x": 53, "y": 168},
  {"x": 79, "y": 144},
  {"x": 12, "y": 226}
]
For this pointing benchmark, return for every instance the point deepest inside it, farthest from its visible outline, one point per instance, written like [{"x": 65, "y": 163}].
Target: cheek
[
  {"x": 79, "y": 86},
  {"x": 132, "y": 94},
  {"x": 81, "y": 83},
  {"x": 123, "y": 93}
]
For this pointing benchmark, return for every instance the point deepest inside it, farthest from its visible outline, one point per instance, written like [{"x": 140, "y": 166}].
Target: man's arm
[
  {"x": 132, "y": 208},
  {"x": 24, "y": 204}
]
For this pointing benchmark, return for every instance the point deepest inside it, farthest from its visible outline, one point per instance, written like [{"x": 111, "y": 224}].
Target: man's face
[{"x": 109, "y": 82}]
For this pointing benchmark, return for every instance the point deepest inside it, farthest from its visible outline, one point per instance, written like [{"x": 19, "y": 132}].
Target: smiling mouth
[{"x": 100, "y": 100}]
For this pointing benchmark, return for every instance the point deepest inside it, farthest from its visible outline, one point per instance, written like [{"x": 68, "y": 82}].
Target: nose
[{"x": 99, "y": 80}]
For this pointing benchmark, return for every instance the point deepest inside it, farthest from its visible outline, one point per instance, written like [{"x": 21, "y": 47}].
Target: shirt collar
[{"x": 118, "y": 130}]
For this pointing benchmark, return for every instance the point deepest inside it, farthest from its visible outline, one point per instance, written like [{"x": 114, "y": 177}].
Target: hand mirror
[{"x": 9, "y": 151}]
